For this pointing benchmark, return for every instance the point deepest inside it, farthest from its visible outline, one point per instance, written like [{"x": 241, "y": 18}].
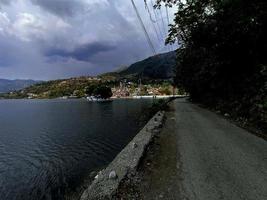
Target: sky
[{"x": 52, "y": 39}]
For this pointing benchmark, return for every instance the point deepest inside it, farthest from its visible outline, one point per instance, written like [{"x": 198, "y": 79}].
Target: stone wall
[{"x": 107, "y": 181}]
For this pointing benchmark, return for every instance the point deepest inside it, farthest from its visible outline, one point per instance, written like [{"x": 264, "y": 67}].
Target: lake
[{"x": 48, "y": 148}]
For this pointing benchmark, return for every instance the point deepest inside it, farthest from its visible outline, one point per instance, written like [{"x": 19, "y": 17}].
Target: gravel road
[
  {"x": 199, "y": 155},
  {"x": 216, "y": 159}
]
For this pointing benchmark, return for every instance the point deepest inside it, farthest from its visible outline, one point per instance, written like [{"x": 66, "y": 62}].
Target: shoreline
[
  {"x": 107, "y": 181},
  {"x": 112, "y": 98},
  {"x": 151, "y": 97}
]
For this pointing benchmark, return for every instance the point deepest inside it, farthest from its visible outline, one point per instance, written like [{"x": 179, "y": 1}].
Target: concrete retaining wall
[{"x": 107, "y": 181}]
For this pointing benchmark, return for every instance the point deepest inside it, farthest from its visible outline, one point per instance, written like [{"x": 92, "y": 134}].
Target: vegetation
[
  {"x": 222, "y": 55},
  {"x": 102, "y": 91},
  {"x": 153, "y": 69},
  {"x": 157, "y": 105},
  {"x": 75, "y": 87},
  {"x": 86, "y": 86},
  {"x": 11, "y": 85}
]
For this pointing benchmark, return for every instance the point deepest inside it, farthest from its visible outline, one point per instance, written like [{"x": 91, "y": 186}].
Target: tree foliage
[
  {"x": 102, "y": 91},
  {"x": 222, "y": 56}
]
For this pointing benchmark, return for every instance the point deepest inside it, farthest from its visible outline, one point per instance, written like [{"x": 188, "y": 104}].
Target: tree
[
  {"x": 103, "y": 92},
  {"x": 89, "y": 90},
  {"x": 222, "y": 43},
  {"x": 222, "y": 56}
]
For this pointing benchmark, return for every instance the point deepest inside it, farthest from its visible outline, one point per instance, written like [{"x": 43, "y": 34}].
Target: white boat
[{"x": 97, "y": 99}]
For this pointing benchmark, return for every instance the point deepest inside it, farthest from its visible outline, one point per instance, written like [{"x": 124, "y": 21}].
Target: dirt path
[
  {"x": 200, "y": 156},
  {"x": 157, "y": 175}
]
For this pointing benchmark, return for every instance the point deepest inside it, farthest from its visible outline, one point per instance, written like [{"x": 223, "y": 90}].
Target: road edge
[{"x": 107, "y": 181}]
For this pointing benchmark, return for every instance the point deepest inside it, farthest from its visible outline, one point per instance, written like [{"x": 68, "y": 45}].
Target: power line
[
  {"x": 167, "y": 14},
  {"x": 152, "y": 21},
  {"x": 165, "y": 32},
  {"x": 162, "y": 28},
  {"x": 168, "y": 20},
  {"x": 156, "y": 17},
  {"x": 146, "y": 6},
  {"x": 163, "y": 24},
  {"x": 144, "y": 29},
  {"x": 157, "y": 34}
]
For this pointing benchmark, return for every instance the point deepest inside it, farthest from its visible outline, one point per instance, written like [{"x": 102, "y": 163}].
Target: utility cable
[
  {"x": 168, "y": 20},
  {"x": 167, "y": 14},
  {"x": 156, "y": 17},
  {"x": 165, "y": 31},
  {"x": 144, "y": 29},
  {"x": 163, "y": 24},
  {"x": 152, "y": 21},
  {"x": 146, "y": 6}
]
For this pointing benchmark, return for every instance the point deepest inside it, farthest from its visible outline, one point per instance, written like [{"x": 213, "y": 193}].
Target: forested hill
[
  {"x": 11, "y": 85},
  {"x": 223, "y": 62},
  {"x": 159, "y": 67}
]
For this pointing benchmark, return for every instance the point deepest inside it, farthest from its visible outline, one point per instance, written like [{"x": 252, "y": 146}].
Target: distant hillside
[
  {"x": 161, "y": 67},
  {"x": 12, "y": 85},
  {"x": 55, "y": 88}
]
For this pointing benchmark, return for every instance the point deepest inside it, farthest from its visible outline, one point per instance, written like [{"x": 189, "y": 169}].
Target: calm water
[{"x": 48, "y": 147}]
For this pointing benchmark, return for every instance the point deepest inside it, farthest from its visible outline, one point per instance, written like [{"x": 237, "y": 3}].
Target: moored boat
[{"x": 97, "y": 99}]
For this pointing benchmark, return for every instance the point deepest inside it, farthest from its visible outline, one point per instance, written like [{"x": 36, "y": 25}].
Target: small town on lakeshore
[
  {"x": 152, "y": 77},
  {"x": 75, "y": 88}
]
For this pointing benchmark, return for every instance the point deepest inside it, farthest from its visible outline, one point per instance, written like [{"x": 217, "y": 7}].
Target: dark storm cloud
[
  {"x": 59, "y": 7},
  {"x": 5, "y": 1},
  {"x": 82, "y": 53},
  {"x": 7, "y": 55},
  {"x": 41, "y": 39}
]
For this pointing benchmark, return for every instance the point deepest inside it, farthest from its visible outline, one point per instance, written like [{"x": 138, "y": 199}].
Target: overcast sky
[{"x": 51, "y": 39}]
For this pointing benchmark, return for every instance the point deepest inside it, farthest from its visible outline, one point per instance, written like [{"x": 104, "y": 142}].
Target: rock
[
  {"x": 226, "y": 115},
  {"x": 161, "y": 196},
  {"x": 112, "y": 175},
  {"x": 156, "y": 131},
  {"x": 155, "y": 119},
  {"x": 260, "y": 106},
  {"x": 134, "y": 145},
  {"x": 148, "y": 128},
  {"x": 97, "y": 176},
  {"x": 92, "y": 174}
]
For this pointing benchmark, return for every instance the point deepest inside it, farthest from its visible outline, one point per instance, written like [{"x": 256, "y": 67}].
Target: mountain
[
  {"x": 12, "y": 85},
  {"x": 153, "y": 69},
  {"x": 159, "y": 67},
  {"x": 54, "y": 88}
]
